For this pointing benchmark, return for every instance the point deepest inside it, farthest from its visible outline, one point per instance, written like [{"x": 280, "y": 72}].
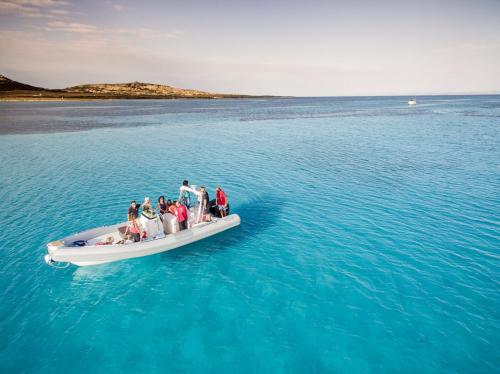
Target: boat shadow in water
[{"x": 257, "y": 215}]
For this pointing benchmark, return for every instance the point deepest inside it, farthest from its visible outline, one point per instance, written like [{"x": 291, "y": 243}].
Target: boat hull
[{"x": 100, "y": 254}]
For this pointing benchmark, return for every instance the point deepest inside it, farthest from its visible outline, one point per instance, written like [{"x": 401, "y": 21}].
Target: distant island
[{"x": 11, "y": 90}]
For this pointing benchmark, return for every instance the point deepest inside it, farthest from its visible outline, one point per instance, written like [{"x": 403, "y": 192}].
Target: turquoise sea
[{"x": 370, "y": 236}]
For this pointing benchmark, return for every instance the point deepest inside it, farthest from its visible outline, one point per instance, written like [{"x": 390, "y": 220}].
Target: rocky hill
[
  {"x": 137, "y": 89},
  {"x": 7, "y": 84},
  {"x": 12, "y": 90}
]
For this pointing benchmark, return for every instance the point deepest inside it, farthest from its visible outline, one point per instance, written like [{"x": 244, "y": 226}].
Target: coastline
[
  {"x": 11, "y": 90},
  {"x": 47, "y": 99},
  {"x": 60, "y": 98}
]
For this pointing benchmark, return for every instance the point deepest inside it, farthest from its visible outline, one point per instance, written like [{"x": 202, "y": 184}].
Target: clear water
[{"x": 370, "y": 236}]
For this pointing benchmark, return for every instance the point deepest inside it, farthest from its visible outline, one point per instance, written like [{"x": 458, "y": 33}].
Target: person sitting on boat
[
  {"x": 109, "y": 240},
  {"x": 221, "y": 201},
  {"x": 171, "y": 207},
  {"x": 146, "y": 205},
  {"x": 133, "y": 210},
  {"x": 181, "y": 214},
  {"x": 162, "y": 206},
  {"x": 186, "y": 196},
  {"x": 134, "y": 227}
]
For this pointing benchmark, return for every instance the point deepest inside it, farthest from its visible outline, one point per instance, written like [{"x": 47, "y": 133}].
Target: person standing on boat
[
  {"x": 221, "y": 200},
  {"x": 133, "y": 210},
  {"x": 205, "y": 200},
  {"x": 186, "y": 196},
  {"x": 181, "y": 213}
]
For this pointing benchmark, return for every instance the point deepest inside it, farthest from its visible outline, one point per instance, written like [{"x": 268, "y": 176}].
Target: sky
[{"x": 275, "y": 47}]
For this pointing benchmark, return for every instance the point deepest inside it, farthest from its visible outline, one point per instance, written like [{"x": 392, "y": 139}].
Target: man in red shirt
[
  {"x": 181, "y": 213},
  {"x": 220, "y": 196}
]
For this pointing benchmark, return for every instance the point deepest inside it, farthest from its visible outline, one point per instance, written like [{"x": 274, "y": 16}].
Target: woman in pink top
[{"x": 134, "y": 227}]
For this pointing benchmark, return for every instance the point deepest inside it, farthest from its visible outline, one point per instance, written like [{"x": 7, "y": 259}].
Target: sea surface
[{"x": 369, "y": 242}]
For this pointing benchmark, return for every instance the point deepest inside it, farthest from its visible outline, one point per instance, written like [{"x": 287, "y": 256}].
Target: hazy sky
[{"x": 358, "y": 47}]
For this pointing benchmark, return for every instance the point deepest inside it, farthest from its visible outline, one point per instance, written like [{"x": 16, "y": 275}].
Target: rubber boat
[{"x": 107, "y": 244}]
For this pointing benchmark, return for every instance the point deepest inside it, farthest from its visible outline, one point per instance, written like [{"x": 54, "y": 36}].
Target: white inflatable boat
[{"x": 108, "y": 244}]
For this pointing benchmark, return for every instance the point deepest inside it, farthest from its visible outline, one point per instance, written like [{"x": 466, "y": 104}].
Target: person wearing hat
[{"x": 146, "y": 205}]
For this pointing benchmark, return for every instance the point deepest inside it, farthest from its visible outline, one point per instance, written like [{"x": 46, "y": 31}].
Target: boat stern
[{"x": 51, "y": 249}]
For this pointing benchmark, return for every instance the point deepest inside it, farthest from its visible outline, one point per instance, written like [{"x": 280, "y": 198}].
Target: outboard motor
[{"x": 48, "y": 260}]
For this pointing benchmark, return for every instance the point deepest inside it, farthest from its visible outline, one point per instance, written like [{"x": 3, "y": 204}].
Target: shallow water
[{"x": 369, "y": 241}]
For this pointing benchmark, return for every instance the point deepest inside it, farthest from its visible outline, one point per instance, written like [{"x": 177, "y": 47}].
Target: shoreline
[
  {"x": 15, "y": 91},
  {"x": 47, "y": 99},
  {"x": 108, "y": 98}
]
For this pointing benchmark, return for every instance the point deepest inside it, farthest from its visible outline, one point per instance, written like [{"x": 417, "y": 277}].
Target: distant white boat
[{"x": 412, "y": 101}]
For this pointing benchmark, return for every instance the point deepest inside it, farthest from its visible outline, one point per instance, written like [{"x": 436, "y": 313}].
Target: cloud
[
  {"x": 41, "y": 3},
  {"x": 145, "y": 33},
  {"x": 109, "y": 32},
  {"x": 59, "y": 12},
  {"x": 118, "y": 7},
  {"x": 34, "y": 8},
  {"x": 73, "y": 27}
]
